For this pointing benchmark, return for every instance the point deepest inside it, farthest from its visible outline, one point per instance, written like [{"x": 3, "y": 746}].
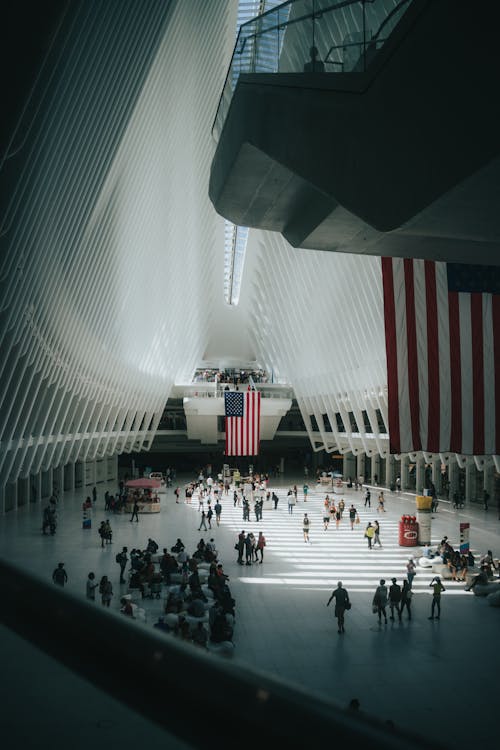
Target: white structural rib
[
  {"x": 322, "y": 329},
  {"x": 107, "y": 276}
]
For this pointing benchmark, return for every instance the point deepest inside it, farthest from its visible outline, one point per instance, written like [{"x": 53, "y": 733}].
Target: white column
[
  {"x": 420, "y": 470},
  {"x": 376, "y": 468},
  {"x": 360, "y": 466},
  {"x": 436, "y": 474},
  {"x": 349, "y": 466},
  {"x": 488, "y": 480},
  {"x": 36, "y": 484},
  {"x": 390, "y": 466},
  {"x": 453, "y": 476},
  {"x": 470, "y": 480},
  {"x": 404, "y": 472}
]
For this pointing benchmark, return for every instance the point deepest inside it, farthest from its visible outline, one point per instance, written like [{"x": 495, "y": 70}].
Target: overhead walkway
[{"x": 380, "y": 142}]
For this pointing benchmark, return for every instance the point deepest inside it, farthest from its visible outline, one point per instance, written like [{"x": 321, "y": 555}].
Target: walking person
[
  {"x": 91, "y": 587},
  {"x": 326, "y": 514},
  {"x": 305, "y": 527},
  {"x": 249, "y": 545},
  {"x": 261, "y": 543},
  {"x": 368, "y": 496},
  {"x": 257, "y": 510},
  {"x": 106, "y": 591},
  {"x": 338, "y": 517},
  {"x": 411, "y": 570},
  {"x": 275, "y": 499},
  {"x": 246, "y": 510},
  {"x": 305, "y": 490},
  {"x": 240, "y": 546},
  {"x": 108, "y": 533},
  {"x": 59, "y": 575},
  {"x": 102, "y": 532},
  {"x": 218, "y": 511},
  {"x": 209, "y": 516},
  {"x": 437, "y": 589},
  {"x": 203, "y": 522},
  {"x": 352, "y": 516},
  {"x": 376, "y": 534},
  {"x": 395, "y": 599},
  {"x": 341, "y": 604},
  {"x": 122, "y": 559},
  {"x": 135, "y": 511},
  {"x": 46, "y": 520},
  {"x": 435, "y": 502},
  {"x": 369, "y": 534},
  {"x": 291, "y": 501},
  {"x": 177, "y": 492},
  {"x": 381, "y": 501},
  {"x": 486, "y": 499},
  {"x": 406, "y": 595},
  {"x": 379, "y": 602}
]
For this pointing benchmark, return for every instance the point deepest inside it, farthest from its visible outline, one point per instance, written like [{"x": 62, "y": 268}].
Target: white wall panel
[{"x": 108, "y": 279}]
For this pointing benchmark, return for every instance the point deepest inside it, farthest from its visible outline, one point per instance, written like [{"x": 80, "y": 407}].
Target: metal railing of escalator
[{"x": 312, "y": 36}]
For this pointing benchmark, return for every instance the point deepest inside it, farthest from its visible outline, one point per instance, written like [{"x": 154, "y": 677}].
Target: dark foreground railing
[{"x": 243, "y": 706}]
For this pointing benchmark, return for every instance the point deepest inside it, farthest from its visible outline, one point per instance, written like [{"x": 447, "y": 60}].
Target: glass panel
[
  {"x": 311, "y": 36},
  {"x": 297, "y": 32}
]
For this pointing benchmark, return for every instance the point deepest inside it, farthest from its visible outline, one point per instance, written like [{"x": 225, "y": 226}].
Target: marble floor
[{"x": 437, "y": 678}]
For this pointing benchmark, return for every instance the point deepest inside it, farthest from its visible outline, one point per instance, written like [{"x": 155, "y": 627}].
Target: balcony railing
[{"x": 312, "y": 36}]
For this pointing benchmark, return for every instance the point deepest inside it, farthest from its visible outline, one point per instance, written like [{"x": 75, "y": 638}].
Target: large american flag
[
  {"x": 442, "y": 333},
  {"x": 242, "y": 411}
]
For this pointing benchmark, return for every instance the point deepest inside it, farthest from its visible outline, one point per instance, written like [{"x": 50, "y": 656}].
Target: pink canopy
[{"x": 145, "y": 483}]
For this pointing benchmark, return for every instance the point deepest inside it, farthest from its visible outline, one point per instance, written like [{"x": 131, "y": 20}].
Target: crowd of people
[
  {"x": 197, "y": 589},
  {"x": 237, "y": 377}
]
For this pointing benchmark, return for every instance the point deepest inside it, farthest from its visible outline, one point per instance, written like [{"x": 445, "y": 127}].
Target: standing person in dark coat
[
  {"x": 241, "y": 546},
  {"x": 59, "y": 575},
  {"x": 135, "y": 511},
  {"x": 379, "y": 602},
  {"x": 203, "y": 522},
  {"x": 122, "y": 559},
  {"x": 406, "y": 595},
  {"x": 341, "y": 604},
  {"x": 248, "y": 549},
  {"x": 395, "y": 598},
  {"x": 106, "y": 591}
]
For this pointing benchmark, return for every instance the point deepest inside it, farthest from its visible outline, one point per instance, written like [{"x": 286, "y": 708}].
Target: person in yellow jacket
[{"x": 369, "y": 534}]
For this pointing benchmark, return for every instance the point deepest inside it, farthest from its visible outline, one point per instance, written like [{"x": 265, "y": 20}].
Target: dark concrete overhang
[{"x": 334, "y": 159}]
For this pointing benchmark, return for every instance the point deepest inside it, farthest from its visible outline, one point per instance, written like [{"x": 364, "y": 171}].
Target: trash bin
[{"x": 408, "y": 531}]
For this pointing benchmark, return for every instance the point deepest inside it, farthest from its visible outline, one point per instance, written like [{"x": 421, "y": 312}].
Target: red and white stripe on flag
[
  {"x": 243, "y": 433},
  {"x": 443, "y": 356}
]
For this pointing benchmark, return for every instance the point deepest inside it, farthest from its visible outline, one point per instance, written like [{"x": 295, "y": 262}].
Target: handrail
[
  {"x": 315, "y": 13},
  {"x": 389, "y": 16},
  {"x": 165, "y": 669}
]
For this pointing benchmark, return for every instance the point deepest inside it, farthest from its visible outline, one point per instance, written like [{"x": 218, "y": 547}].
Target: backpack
[{"x": 119, "y": 557}]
